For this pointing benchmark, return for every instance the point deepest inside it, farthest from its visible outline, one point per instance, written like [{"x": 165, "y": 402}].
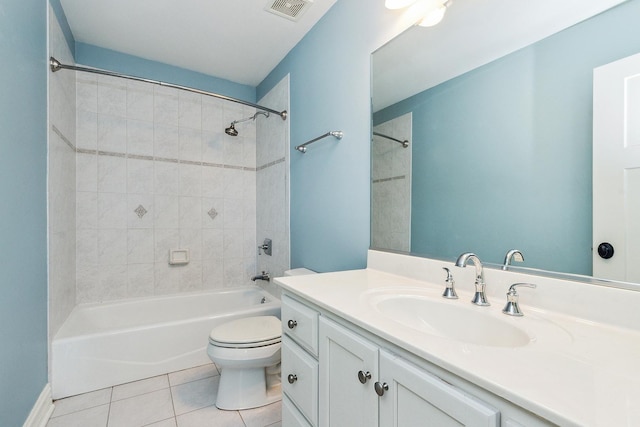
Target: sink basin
[{"x": 469, "y": 324}]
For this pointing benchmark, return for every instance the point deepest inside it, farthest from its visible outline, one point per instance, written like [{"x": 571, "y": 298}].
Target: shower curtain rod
[
  {"x": 404, "y": 143},
  {"x": 56, "y": 65}
]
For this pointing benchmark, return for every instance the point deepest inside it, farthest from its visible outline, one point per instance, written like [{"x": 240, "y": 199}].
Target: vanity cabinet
[
  {"x": 299, "y": 364},
  {"x": 334, "y": 371},
  {"x": 364, "y": 385}
]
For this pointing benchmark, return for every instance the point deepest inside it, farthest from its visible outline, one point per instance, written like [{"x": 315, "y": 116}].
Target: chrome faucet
[
  {"x": 480, "y": 297},
  {"x": 512, "y": 255},
  {"x": 264, "y": 276},
  {"x": 513, "y": 308},
  {"x": 450, "y": 291}
]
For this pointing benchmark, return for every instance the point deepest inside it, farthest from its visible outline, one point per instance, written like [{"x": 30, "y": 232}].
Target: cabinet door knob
[
  {"x": 292, "y": 378},
  {"x": 364, "y": 376},
  {"x": 292, "y": 324},
  {"x": 380, "y": 388}
]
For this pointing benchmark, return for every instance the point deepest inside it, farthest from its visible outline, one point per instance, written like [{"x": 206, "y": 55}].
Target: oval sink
[{"x": 466, "y": 324}]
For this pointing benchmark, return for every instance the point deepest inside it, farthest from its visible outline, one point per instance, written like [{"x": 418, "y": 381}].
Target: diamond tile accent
[
  {"x": 213, "y": 213},
  {"x": 140, "y": 211}
]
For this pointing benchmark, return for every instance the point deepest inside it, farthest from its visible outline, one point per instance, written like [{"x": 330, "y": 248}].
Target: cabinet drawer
[
  {"x": 300, "y": 379},
  {"x": 300, "y": 323},
  {"x": 291, "y": 417}
]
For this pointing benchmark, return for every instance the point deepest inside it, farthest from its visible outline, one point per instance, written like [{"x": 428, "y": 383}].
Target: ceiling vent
[{"x": 290, "y": 9}]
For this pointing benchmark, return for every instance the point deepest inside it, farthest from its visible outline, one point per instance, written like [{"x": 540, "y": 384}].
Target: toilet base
[{"x": 246, "y": 388}]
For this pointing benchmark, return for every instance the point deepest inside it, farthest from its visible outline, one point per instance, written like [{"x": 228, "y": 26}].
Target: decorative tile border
[
  {"x": 163, "y": 159},
  {"x": 268, "y": 165},
  {"x": 377, "y": 181},
  {"x": 64, "y": 138}
]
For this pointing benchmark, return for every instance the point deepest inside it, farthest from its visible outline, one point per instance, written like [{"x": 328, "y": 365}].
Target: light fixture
[
  {"x": 398, "y": 4},
  {"x": 430, "y": 12},
  {"x": 434, "y": 16}
]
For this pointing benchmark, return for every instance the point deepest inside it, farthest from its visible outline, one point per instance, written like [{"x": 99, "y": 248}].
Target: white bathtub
[{"x": 101, "y": 345}]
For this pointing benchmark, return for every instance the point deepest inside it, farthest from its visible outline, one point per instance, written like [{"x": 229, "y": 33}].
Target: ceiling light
[
  {"x": 433, "y": 16},
  {"x": 398, "y": 4}
]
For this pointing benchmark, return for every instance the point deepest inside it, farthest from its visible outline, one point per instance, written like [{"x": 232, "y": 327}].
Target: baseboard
[{"x": 42, "y": 409}]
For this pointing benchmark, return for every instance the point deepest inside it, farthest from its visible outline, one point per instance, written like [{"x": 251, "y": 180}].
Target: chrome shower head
[{"x": 231, "y": 130}]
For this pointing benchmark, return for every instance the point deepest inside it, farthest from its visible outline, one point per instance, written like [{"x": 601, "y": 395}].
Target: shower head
[{"x": 231, "y": 130}]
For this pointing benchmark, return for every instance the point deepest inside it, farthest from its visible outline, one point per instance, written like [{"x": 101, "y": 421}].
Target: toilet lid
[{"x": 260, "y": 330}]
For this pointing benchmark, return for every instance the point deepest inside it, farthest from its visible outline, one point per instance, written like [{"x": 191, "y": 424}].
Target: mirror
[{"x": 496, "y": 103}]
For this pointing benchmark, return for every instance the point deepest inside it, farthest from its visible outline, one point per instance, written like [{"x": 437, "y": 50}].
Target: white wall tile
[
  {"x": 190, "y": 180},
  {"x": 191, "y": 212},
  {"x": 190, "y": 144},
  {"x": 167, "y": 211},
  {"x": 165, "y": 141},
  {"x": 140, "y": 280},
  {"x": 165, "y": 240},
  {"x": 133, "y": 202},
  {"x": 212, "y": 182},
  {"x": 112, "y": 247},
  {"x": 112, "y": 134},
  {"x": 139, "y": 101},
  {"x": 86, "y": 172},
  {"x": 86, "y": 210},
  {"x": 87, "y": 130},
  {"x": 213, "y": 146},
  {"x": 190, "y": 111},
  {"x": 112, "y": 174},
  {"x": 140, "y": 246},
  {"x": 165, "y": 108},
  {"x": 140, "y": 176},
  {"x": 112, "y": 97},
  {"x": 140, "y": 138},
  {"x": 112, "y": 208},
  {"x": 167, "y": 178}
]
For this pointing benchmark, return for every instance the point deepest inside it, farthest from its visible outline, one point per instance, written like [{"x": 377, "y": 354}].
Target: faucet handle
[
  {"x": 513, "y": 308},
  {"x": 449, "y": 291}
]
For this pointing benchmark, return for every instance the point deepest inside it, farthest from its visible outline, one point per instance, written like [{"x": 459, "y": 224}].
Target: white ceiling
[
  {"x": 235, "y": 40},
  {"x": 472, "y": 33}
]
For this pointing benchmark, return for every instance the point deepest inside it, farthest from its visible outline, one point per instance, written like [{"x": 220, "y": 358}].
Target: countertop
[{"x": 573, "y": 371}]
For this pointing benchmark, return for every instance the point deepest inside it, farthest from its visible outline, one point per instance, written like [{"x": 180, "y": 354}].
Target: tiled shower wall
[
  {"x": 391, "y": 186},
  {"x": 155, "y": 171},
  {"x": 61, "y": 182},
  {"x": 273, "y": 185}
]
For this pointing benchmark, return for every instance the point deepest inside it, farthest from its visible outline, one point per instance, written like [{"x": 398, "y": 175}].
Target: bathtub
[{"x": 102, "y": 345}]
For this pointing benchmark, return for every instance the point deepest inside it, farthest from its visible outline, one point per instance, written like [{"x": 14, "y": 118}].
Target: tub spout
[{"x": 264, "y": 276}]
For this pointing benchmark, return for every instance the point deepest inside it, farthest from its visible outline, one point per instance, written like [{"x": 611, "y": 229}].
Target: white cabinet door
[
  {"x": 344, "y": 400},
  {"x": 416, "y": 398}
]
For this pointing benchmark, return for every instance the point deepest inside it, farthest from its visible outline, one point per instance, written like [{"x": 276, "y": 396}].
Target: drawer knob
[
  {"x": 364, "y": 376},
  {"x": 380, "y": 388},
  {"x": 292, "y": 378},
  {"x": 292, "y": 324}
]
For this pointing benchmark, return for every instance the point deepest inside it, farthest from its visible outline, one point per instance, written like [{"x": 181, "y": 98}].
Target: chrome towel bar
[
  {"x": 404, "y": 143},
  {"x": 335, "y": 133}
]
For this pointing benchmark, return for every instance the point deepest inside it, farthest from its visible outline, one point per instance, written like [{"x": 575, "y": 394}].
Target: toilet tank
[{"x": 298, "y": 272}]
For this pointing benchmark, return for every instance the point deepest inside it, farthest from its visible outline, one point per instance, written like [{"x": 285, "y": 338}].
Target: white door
[{"x": 616, "y": 169}]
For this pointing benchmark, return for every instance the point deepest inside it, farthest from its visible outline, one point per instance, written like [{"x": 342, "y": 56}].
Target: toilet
[{"x": 247, "y": 352}]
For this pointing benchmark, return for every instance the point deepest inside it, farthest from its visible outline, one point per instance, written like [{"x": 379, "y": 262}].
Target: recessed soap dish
[{"x": 178, "y": 256}]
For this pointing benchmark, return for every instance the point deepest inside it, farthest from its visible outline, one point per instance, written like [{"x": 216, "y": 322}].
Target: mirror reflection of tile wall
[{"x": 391, "y": 185}]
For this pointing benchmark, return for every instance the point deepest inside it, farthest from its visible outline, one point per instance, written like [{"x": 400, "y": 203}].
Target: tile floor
[{"x": 180, "y": 399}]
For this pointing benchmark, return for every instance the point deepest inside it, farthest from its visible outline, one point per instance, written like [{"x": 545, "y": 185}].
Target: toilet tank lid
[
  {"x": 298, "y": 272},
  {"x": 247, "y": 330}
]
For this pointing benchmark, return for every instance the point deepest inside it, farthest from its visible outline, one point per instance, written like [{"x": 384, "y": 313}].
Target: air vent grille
[{"x": 290, "y": 9}]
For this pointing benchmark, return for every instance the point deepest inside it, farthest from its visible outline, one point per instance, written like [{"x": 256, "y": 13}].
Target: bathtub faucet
[{"x": 264, "y": 276}]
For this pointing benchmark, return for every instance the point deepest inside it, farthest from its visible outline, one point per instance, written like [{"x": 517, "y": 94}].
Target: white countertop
[{"x": 574, "y": 371}]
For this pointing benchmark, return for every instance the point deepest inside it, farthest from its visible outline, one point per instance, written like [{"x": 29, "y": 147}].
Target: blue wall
[
  {"x": 23, "y": 208},
  {"x": 94, "y": 56},
  {"x": 521, "y": 128},
  {"x": 330, "y": 90}
]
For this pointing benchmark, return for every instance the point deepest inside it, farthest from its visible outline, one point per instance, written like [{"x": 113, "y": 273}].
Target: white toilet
[{"x": 247, "y": 352}]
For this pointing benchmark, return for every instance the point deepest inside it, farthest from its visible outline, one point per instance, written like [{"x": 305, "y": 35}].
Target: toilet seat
[{"x": 248, "y": 332}]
